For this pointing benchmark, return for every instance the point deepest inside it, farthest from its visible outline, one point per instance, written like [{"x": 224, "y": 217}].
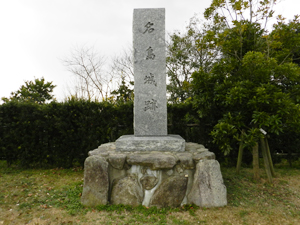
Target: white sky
[{"x": 36, "y": 34}]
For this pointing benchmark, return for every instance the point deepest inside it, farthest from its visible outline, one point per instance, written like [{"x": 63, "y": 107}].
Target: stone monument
[
  {"x": 151, "y": 167},
  {"x": 150, "y": 102},
  {"x": 150, "y": 97}
]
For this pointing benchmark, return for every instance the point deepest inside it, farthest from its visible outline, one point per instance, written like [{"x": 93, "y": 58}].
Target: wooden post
[
  {"x": 240, "y": 155},
  {"x": 266, "y": 160},
  {"x": 270, "y": 157},
  {"x": 255, "y": 162}
]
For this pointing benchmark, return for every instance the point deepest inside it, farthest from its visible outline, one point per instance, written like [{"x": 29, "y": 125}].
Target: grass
[{"x": 52, "y": 196}]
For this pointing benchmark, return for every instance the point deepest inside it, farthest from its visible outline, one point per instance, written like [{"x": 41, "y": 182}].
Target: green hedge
[{"x": 61, "y": 134}]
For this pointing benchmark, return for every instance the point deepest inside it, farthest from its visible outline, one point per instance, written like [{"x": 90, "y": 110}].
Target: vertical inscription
[{"x": 150, "y": 102}]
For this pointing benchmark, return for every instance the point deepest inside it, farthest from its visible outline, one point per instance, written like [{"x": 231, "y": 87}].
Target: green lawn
[{"x": 52, "y": 196}]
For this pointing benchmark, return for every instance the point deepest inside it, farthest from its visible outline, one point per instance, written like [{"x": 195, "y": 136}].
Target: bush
[
  {"x": 62, "y": 134},
  {"x": 59, "y": 134}
]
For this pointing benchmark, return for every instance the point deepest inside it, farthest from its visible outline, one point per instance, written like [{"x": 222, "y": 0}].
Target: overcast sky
[{"x": 36, "y": 34}]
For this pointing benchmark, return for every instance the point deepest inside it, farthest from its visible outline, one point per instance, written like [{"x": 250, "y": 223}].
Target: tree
[
  {"x": 122, "y": 68},
  {"x": 123, "y": 93},
  {"x": 250, "y": 88},
  {"x": 88, "y": 67},
  {"x": 37, "y": 91},
  {"x": 186, "y": 52},
  {"x": 94, "y": 78},
  {"x": 228, "y": 12},
  {"x": 285, "y": 39}
]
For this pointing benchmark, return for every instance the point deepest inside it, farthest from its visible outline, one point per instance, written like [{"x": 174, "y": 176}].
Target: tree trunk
[
  {"x": 255, "y": 162},
  {"x": 266, "y": 160}
]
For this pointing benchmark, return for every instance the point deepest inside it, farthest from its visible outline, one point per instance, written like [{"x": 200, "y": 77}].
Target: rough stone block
[
  {"x": 117, "y": 160},
  {"x": 208, "y": 189},
  {"x": 186, "y": 160},
  {"x": 194, "y": 147},
  {"x": 96, "y": 182},
  {"x": 153, "y": 160},
  {"x": 170, "y": 192},
  {"x": 127, "y": 191},
  {"x": 197, "y": 156},
  {"x": 148, "y": 181},
  {"x": 103, "y": 149}
]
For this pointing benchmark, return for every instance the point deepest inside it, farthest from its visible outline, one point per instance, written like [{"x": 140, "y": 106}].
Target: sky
[{"x": 36, "y": 35}]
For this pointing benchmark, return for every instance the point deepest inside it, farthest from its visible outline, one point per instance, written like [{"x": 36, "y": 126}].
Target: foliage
[
  {"x": 284, "y": 41},
  {"x": 228, "y": 12},
  {"x": 253, "y": 85},
  {"x": 59, "y": 134},
  {"x": 33, "y": 91},
  {"x": 124, "y": 93},
  {"x": 186, "y": 52}
]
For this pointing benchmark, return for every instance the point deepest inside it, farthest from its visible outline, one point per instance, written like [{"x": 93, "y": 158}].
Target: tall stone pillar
[
  {"x": 150, "y": 97},
  {"x": 150, "y": 102}
]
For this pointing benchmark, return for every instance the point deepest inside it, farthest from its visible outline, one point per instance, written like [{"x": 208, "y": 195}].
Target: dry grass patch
[{"x": 53, "y": 197}]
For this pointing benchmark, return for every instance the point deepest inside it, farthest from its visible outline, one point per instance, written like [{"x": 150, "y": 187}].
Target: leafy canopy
[
  {"x": 186, "y": 52},
  {"x": 255, "y": 82},
  {"x": 38, "y": 91}
]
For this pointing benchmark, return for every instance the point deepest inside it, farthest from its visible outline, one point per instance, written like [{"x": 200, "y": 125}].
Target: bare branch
[
  {"x": 87, "y": 65},
  {"x": 122, "y": 67}
]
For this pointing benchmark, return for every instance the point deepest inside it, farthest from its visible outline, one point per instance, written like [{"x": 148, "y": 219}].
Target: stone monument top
[{"x": 150, "y": 99}]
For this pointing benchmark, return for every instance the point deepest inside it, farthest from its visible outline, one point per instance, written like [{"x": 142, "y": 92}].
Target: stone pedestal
[
  {"x": 150, "y": 143},
  {"x": 153, "y": 178}
]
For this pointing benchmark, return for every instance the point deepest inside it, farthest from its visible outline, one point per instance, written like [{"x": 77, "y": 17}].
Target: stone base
[
  {"x": 168, "y": 143},
  {"x": 161, "y": 179}
]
